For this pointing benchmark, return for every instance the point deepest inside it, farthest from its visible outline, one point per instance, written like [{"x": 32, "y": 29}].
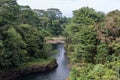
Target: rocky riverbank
[{"x": 27, "y": 70}]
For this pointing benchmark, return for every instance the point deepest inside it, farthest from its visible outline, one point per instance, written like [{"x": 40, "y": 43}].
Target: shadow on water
[{"x": 60, "y": 73}]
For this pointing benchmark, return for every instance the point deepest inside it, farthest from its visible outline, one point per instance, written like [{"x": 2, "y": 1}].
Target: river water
[{"x": 60, "y": 73}]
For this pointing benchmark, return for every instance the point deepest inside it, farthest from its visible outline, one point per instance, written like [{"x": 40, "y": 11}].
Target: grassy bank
[
  {"x": 36, "y": 65},
  {"x": 39, "y": 62},
  {"x": 34, "y": 62}
]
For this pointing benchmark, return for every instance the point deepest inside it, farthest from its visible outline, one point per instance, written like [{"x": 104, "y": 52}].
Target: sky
[{"x": 67, "y": 6}]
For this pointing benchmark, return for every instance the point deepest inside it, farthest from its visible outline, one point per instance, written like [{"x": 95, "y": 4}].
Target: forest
[
  {"x": 23, "y": 32},
  {"x": 93, "y": 44},
  {"x": 92, "y": 39}
]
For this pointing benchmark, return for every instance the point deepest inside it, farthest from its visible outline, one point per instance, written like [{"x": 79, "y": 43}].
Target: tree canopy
[
  {"x": 92, "y": 39},
  {"x": 92, "y": 44},
  {"x": 22, "y": 36}
]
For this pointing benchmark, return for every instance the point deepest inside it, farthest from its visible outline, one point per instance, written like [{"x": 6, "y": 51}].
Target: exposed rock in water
[{"x": 35, "y": 68}]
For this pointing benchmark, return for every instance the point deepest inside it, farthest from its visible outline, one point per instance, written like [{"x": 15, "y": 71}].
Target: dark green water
[{"x": 60, "y": 73}]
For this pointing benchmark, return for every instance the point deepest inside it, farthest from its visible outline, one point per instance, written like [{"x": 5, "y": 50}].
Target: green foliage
[
  {"x": 33, "y": 39},
  {"x": 102, "y": 53},
  {"x": 21, "y": 35},
  {"x": 52, "y": 20},
  {"x": 71, "y": 29},
  {"x": 36, "y": 62},
  {"x": 87, "y": 16},
  {"x": 91, "y": 72},
  {"x": 27, "y": 16},
  {"x": 13, "y": 52},
  {"x": 85, "y": 40},
  {"x": 92, "y": 40},
  {"x": 8, "y": 11}
]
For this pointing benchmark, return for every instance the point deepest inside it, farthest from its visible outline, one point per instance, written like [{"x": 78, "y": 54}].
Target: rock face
[{"x": 35, "y": 68}]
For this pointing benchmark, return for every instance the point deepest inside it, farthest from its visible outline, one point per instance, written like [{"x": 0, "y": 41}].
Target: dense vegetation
[
  {"x": 93, "y": 44},
  {"x": 23, "y": 32},
  {"x": 52, "y": 20},
  {"x": 92, "y": 39}
]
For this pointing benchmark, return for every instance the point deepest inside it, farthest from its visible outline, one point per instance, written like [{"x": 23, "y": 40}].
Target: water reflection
[{"x": 60, "y": 73}]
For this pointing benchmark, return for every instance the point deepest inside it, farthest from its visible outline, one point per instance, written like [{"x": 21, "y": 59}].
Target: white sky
[{"x": 67, "y": 6}]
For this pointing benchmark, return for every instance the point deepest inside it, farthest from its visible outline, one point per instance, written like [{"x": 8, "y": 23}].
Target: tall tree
[{"x": 87, "y": 16}]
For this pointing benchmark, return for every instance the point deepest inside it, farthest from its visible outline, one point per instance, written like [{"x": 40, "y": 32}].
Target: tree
[
  {"x": 93, "y": 44},
  {"x": 54, "y": 13},
  {"x": 41, "y": 13},
  {"x": 8, "y": 11},
  {"x": 87, "y": 16},
  {"x": 13, "y": 52},
  {"x": 33, "y": 39},
  {"x": 102, "y": 53},
  {"x": 87, "y": 43},
  {"x": 21, "y": 35},
  {"x": 27, "y": 16},
  {"x": 52, "y": 20}
]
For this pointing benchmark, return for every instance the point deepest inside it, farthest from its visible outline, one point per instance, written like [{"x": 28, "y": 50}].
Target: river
[{"x": 60, "y": 73}]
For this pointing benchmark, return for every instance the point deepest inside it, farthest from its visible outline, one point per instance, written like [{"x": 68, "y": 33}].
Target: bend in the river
[{"x": 60, "y": 73}]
